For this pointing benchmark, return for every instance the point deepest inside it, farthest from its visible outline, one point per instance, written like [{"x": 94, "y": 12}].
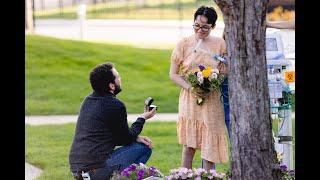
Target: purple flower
[
  {"x": 140, "y": 173},
  {"x": 283, "y": 167},
  {"x": 131, "y": 167},
  {"x": 125, "y": 173},
  {"x": 201, "y": 67},
  {"x": 152, "y": 170},
  {"x": 291, "y": 173}
]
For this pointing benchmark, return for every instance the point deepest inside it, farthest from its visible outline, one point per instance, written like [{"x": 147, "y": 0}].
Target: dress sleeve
[{"x": 177, "y": 53}]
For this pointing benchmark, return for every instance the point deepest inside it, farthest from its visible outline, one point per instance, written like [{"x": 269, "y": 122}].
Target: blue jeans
[
  {"x": 225, "y": 97},
  {"x": 121, "y": 158}
]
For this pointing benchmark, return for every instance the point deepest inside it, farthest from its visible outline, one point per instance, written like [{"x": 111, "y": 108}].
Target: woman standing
[{"x": 200, "y": 126}]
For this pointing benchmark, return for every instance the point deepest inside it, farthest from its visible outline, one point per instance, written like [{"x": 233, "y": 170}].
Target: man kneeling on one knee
[{"x": 102, "y": 125}]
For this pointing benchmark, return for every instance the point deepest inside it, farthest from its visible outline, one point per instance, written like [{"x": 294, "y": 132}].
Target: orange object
[{"x": 289, "y": 76}]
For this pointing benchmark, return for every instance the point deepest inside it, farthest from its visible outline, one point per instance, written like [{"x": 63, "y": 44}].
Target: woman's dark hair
[
  {"x": 208, "y": 12},
  {"x": 101, "y": 76}
]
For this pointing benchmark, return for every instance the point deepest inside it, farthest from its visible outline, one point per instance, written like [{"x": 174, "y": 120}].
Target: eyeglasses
[{"x": 203, "y": 28}]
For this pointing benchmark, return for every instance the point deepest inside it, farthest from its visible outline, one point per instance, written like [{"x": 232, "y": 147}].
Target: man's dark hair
[
  {"x": 101, "y": 76},
  {"x": 208, "y": 12}
]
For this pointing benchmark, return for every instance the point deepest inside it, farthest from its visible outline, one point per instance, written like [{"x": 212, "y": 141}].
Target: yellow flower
[
  {"x": 207, "y": 72},
  {"x": 279, "y": 156}
]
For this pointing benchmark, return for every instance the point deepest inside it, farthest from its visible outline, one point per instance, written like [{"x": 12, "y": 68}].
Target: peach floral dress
[{"x": 201, "y": 127}]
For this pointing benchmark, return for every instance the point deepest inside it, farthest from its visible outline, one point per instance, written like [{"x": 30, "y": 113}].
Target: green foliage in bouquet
[{"x": 204, "y": 80}]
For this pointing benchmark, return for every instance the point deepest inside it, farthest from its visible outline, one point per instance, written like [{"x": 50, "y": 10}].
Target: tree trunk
[{"x": 253, "y": 153}]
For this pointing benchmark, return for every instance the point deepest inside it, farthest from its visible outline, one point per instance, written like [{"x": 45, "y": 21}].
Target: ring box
[
  {"x": 148, "y": 103},
  {"x": 153, "y": 106}
]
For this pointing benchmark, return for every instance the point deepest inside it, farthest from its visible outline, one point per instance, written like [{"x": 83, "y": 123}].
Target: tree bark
[{"x": 253, "y": 153}]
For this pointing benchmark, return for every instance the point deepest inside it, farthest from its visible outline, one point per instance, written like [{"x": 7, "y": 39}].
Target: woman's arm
[
  {"x": 223, "y": 68},
  {"x": 173, "y": 74}
]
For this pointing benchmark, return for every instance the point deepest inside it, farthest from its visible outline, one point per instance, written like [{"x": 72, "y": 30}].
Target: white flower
[
  {"x": 184, "y": 170},
  {"x": 214, "y": 76},
  {"x": 215, "y": 70},
  {"x": 183, "y": 176},
  {"x": 212, "y": 171},
  {"x": 142, "y": 165},
  {"x": 200, "y": 170},
  {"x": 219, "y": 176},
  {"x": 200, "y": 79}
]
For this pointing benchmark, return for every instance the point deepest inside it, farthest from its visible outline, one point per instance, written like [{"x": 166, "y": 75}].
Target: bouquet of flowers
[
  {"x": 138, "y": 172},
  {"x": 286, "y": 173},
  {"x": 194, "y": 174},
  {"x": 204, "y": 80}
]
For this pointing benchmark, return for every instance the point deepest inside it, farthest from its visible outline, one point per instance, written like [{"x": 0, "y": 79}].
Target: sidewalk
[
  {"x": 31, "y": 172},
  {"x": 163, "y": 34},
  {"x": 63, "y": 119}
]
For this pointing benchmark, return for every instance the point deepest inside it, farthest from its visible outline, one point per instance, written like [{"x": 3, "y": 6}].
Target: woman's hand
[{"x": 145, "y": 140}]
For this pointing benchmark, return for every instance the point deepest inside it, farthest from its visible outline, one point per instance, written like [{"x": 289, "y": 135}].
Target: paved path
[
  {"x": 163, "y": 34},
  {"x": 31, "y": 172},
  {"x": 63, "y": 119}
]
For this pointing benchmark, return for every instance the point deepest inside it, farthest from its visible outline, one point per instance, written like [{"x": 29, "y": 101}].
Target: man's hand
[
  {"x": 148, "y": 114},
  {"x": 145, "y": 140}
]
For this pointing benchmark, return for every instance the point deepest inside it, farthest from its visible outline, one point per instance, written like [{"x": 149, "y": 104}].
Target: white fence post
[
  {"x": 82, "y": 8},
  {"x": 29, "y": 17}
]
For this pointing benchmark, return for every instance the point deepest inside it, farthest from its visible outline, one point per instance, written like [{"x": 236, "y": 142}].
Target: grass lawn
[
  {"x": 48, "y": 147},
  {"x": 57, "y": 75},
  {"x": 165, "y": 9}
]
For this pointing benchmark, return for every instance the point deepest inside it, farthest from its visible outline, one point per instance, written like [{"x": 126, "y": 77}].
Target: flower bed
[
  {"x": 137, "y": 171},
  {"x": 143, "y": 172},
  {"x": 196, "y": 174}
]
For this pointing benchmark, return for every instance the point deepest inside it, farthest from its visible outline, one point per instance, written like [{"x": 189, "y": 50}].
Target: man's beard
[{"x": 117, "y": 89}]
